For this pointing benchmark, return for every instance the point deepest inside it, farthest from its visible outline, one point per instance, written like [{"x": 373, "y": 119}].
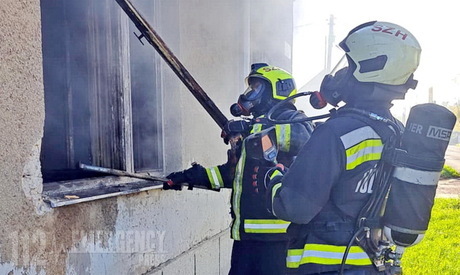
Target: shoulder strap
[
  {"x": 380, "y": 127},
  {"x": 284, "y": 115}
]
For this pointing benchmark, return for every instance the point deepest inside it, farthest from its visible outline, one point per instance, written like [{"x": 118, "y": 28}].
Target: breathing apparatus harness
[
  {"x": 404, "y": 180},
  {"x": 368, "y": 233}
]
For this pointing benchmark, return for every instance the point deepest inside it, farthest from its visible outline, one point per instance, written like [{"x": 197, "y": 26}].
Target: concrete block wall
[
  {"x": 153, "y": 228},
  {"x": 208, "y": 257}
]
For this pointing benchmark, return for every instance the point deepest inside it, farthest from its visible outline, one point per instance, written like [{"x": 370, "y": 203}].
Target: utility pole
[
  {"x": 330, "y": 43},
  {"x": 430, "y": 95}
]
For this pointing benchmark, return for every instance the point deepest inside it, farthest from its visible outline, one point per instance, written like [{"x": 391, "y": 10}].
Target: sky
[{"x": 436, "y": 27}]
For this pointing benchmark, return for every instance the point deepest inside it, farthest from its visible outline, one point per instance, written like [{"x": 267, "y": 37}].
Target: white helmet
[{"x": 382, "y": 52}]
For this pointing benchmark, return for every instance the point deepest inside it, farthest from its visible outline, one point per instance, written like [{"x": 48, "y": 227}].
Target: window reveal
[{"x": 102, "y": 99}]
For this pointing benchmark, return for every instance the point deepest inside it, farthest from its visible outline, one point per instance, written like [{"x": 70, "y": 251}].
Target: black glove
[
  {"x": 273, "y": 175},
  {"x": 234, "y": 128},
  {"x": 194, "y": 175},
  {"x": 175, "y": 182}
]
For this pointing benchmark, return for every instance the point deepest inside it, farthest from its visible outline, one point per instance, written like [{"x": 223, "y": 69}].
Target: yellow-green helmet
[{"x": 267, "y": 85}]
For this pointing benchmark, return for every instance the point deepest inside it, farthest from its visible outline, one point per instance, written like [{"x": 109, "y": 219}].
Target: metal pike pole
[
  {"x": 149, "y": 34},
  {"x": 120, "y": 172}
]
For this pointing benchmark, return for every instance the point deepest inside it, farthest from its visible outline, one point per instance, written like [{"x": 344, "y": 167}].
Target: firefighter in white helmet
[
  {"x": 260, "y": 239},
  {"x": 326, "y": 187}
]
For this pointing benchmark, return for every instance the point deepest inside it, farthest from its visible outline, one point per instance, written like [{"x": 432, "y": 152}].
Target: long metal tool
[
  {"x": 116, "y": 172},
  {"x": 120, "y": 172},
  {"x": 155, "y": 40}
]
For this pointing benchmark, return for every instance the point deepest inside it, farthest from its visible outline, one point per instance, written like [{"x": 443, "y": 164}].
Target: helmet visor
[{"x": 255, "y": 90}]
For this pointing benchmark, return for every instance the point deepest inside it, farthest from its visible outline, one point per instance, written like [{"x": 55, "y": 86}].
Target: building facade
[{"x": 77, "y": 86}]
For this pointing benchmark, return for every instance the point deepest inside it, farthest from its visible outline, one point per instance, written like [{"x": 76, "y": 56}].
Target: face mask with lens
[
  {"x": 249, "y": 99},
  {"x": 254, "y": 91},
  {"x": 331, "y": 90}
]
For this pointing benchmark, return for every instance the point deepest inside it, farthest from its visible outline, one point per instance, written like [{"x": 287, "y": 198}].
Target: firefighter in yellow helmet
[{"x": 259, "y": 237}]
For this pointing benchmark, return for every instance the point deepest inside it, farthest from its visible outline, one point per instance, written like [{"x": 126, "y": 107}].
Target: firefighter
[
  {"x": 326, "y": 187},
  {"x": 259, "y": 238}
]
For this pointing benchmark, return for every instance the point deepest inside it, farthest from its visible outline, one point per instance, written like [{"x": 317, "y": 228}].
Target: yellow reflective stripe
[
  {"x": 326, "y": 255},
  {"x": 275, "y": 173},
  {"x": 283, "y": 136},
  {"x": 294, "y": 257},
  {"x": 274, "y": 189},
  {"x": 214, "y": 177},
  {"x": 237, "y": 188},
  {"x": 361, "y": 145},
  {"x": 356, "y": 136},
  {"x": 366, "y": 150},
  {"x": 256, "y": 128},
  {"x": 265, "y": 226}
]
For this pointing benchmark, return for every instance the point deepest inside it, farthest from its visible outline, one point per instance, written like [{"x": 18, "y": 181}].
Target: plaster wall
[{"x": 153, "y": 232}]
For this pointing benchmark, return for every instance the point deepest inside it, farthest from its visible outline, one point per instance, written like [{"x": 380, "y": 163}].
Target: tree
[{"x": 455, "y": 108}]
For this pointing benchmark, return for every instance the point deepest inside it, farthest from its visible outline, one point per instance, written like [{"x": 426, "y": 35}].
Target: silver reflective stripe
[
  {"x": 265, "y": 226},
  {"x": 367, "y": 149},
  {"x": 417, "y": 176},
  {"x": 326, "y": 255},
  {"x": 214, "y": 177},
  {"x": 237, "y": 188},
  {"x": 361, "y": 145},
  {"x": 389, "y": 227},
  {"x": 356, "y": 136},
  {"x": 294, "y": 259},
  {"x": 335, "y": 255}
]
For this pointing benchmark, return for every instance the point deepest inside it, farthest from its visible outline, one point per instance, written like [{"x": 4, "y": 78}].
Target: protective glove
[
  {"x": 176, "y": 179},
  {"x": 192, "y": 176},
  {"x": 234, "y": 128},
  {"x": 274, "y": 175}
]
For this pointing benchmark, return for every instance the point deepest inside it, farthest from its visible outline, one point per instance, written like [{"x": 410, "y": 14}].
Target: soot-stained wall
[{"x": 151, "y": 232}]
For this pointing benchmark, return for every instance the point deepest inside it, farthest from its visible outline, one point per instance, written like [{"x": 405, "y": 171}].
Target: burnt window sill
[{"x": 70, "y": 192}]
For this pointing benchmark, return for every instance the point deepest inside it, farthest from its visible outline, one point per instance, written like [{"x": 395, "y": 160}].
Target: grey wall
[
  {"x": 154, "y": 232},
  {"x": 271, "y": 32}
]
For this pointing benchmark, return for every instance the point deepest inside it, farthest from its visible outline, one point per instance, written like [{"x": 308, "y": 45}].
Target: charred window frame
[{"x": 102, "y": 91}]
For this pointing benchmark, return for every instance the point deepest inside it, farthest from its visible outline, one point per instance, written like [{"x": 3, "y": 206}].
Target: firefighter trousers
[
  {"x": 355, "y": 271},
  {"x": 258, "y": 258}
]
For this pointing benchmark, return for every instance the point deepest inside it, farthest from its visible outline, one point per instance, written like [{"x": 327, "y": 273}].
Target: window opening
[{"x": 102, "y": 91}]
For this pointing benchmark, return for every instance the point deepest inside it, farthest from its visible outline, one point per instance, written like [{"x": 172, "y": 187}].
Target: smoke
[{"x": 87, "y": 63}]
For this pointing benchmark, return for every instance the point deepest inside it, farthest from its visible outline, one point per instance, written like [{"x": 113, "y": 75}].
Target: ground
[{"x": 448, "y": 188}]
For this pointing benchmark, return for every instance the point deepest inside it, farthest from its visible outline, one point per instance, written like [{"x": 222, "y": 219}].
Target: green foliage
[
  {"x": 455, "y": 108},
  {"x": 449, "y": 172},
  {"x": 439, "y": 250}
]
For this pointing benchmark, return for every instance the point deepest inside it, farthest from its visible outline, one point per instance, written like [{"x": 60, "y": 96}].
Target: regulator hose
[{"x": 297, "y": 120}]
